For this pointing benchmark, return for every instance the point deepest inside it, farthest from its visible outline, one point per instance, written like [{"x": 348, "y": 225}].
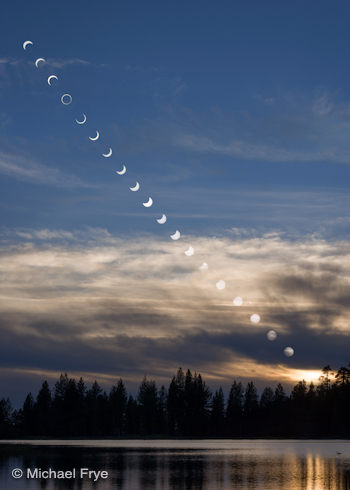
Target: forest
[{"x": 186, "y": 408}]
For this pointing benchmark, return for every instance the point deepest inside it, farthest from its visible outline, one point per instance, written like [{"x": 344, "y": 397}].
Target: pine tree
[
  {"x": 148, "y": 401},
  {"x": 217, "y": 416},
  {"x": 234, "y": 410},
  {"x": 6, "y": 415},
  {"x": 28, "y": 416},
  {"x": 176, "y": 404},
  {"x": 43, "y": 409},
  {"x": 117, "y": 402},
  {"x": 250, "y": 409},
  {"x": 132, "y": 417}
]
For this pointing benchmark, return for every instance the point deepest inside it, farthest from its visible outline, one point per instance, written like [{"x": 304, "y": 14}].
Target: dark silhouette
[
  {"x": 186, "y": 409},
  {"x": 234, "y": 410}
]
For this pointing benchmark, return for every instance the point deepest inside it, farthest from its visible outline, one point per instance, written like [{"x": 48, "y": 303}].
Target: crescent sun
[
  {"x": 176, "y": 235},
  {"x": 38, "y": 61},
  {"x": 162, "y": 220},
  {"x": 51, "y": 77},
  {"x": 27, "y": 43},
  {"x": 135, "y": 188},
  {"x": 189, "y": 252},
  {"x": 204, "y": 267},
  {"x": 95, "y": 138},
  {"x": 108, "y": 154},
  {"x": 148, "y": 203},
  {"x": 83, "y": 120},
  {"x": 122, "y": 171}
]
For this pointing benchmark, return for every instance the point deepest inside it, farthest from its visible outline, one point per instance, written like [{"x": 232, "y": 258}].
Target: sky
[{"x": 235, "y": 118}]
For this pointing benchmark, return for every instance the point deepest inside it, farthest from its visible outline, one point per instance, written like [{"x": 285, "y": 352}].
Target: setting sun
[{"x": 308, "y": 375}]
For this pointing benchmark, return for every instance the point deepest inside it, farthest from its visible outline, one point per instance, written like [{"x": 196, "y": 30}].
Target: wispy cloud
[
  {"x": 10, "y": 61},
  {"x": 292, "y": 128},
  {"x": 20, "y": 69},
  {"x": 62, "y": 63},
  {"x": 53, "y": 62},
  {"x": 250, "y": 151},
  {"x": 23, "y": 168},
  {"x": 322, "y": 105}
]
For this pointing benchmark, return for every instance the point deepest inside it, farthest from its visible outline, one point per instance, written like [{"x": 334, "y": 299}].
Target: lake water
[{"x": 180, "y": 465}]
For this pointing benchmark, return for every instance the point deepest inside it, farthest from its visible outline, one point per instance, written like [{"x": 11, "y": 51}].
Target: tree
[
  {"x": 189, "y": 405},
  {"x": 197, "y": 402},
  {"x": 326, "y": 378},
  {"x": 6, "y": 413},
  {"x": 28, "y": 416},
  {"x": 266, "y": 399},
  {"x": 280, "y": 426},
  {"x": 162, "y": 411},
  {"x": 60, "y": 389},
  {"x": 341, "y": 402},
  {"x": 250, "y": 409},
  {"x": 234, "y": 410},
  {"x": 117, "y": 402},
  {"x": 176, "y": 404},
  {"x": 342, "y": 376},
  {"x": 250, "y": 399},
  {"x": 148, "y": 401},
  {"x": 43, "y": 409},
  {"x": 266, "y": 421},
  {"x": 279, "y": 395},
  {"x": 132, "y": 417},
  {"x": 217, "y": 416},
  {"x": 43, "y": 400},
  {"x": 300, "y": 405},
  {"x": 186, "y": 409},
  {"x": 299, "y": 391},
  {"x": 81, "y": 408},
  {"x": 70, "y": 408},
  {"x": 96, "y": 401}
]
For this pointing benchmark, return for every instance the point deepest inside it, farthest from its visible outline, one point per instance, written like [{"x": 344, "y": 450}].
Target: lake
[{"x": 174, "y": 464}]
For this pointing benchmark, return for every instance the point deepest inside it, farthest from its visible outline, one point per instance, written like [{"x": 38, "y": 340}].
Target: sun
[{"x": 308, "y": 375}]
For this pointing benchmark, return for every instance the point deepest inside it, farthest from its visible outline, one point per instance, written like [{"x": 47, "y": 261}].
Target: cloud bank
[{"x": 113, "y": 306}]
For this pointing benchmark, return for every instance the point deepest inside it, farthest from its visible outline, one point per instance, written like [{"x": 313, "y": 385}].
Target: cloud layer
[{"x": 114, "y": 306}]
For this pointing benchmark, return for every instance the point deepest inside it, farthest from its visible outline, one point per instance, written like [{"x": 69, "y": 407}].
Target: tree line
[{"x": 187, "y": 408}]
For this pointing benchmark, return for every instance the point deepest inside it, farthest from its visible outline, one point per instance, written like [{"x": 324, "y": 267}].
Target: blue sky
[
  {"x": 228, "y": 106},
  {"x": 234, "y": 117}
]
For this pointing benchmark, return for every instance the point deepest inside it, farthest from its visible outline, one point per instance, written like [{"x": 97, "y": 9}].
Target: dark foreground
[{"x": 187, "y": 465}]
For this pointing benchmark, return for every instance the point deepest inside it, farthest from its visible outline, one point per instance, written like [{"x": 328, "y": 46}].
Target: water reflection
[{"x": 238, "y": 465}]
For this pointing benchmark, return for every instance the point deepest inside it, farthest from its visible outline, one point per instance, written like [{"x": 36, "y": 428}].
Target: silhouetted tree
[
  {"x": 281, "y": 415},
  {"x": 148, "y": 403},
  {"x": 186, "y": 409},
  {"x": 234, "y": 410},
  {"x": 217, "y": 416},
  {"x": 162, "y": 425},
  {"x": 28, "y": 416},
  {"x": 250, "y": 409},
  {"x": 341, "y": 402},
  {"x": 200, "y": 405},
  {"x": 132, "y": 417},
  {"x": 117, "y": 405},
  {"x": 326, "y": 377},
  {"x": 266, "y": 420},
  {"x": 176, "y": 404},
  {"x": 6, "y": 413},
  {"x": 82, "y": 419},
  {"x": 96, "y": 401},
  {"x": 342, "y": 376},
  {"x": 42, "y": 409}
]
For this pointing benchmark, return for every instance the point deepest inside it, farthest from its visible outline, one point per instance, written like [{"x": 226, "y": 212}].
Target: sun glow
[{"x": 307, "y": 375}]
